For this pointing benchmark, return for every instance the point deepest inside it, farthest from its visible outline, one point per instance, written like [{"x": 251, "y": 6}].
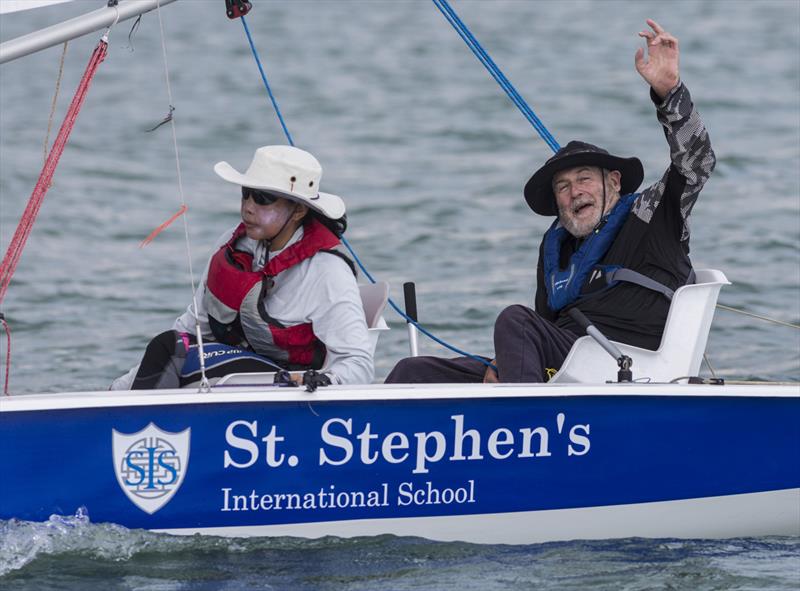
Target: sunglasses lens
[{"x": 259, "y": 197}]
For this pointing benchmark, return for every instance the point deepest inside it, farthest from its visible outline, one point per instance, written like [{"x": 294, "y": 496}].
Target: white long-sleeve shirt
[{"x": 321, "y": 290}]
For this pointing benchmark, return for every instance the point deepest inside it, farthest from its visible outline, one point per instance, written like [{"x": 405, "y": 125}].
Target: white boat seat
[
  {"x": 682, "y": 344},
  {"x": 374, "y": 297}
]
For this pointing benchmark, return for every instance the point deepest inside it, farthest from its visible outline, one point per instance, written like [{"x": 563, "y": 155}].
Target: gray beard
[{"x": 577, "y": 229}]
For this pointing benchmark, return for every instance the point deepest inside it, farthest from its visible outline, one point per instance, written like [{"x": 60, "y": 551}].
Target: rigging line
[
  {"x": 464, "y": 32},
  {"x": 8, "y": 353},
  {"x": 14, "y": 251},
  {"x": 708, "y": 363},
  {"x": 21, "y": 234},
  {"x": 410, "y": 320},
  {"x": 504, "y": 84},
  {"x": 133, "y": 31},
  {"x": 266, "y": 84},
  {"x": 55, "y": 100},
  {"x": 204, "y": 386},
  {"x": 487, "y": 61},
  {"x": 759, "y": 317},
  {"x": 496, "y": 73},
  {"x": 342, "y": 238},
  {"x": 115, "y": 4}
]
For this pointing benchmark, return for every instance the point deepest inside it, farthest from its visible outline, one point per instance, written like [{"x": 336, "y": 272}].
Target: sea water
[
  {"x": 431, "y": 157},
  {"x": 71, "y": 553}
]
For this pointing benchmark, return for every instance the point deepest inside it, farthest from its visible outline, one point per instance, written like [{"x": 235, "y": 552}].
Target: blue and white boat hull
[{"x": 481, "y": 463}]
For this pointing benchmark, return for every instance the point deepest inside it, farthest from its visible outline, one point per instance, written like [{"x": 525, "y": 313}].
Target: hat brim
[
  {"x": 330, "y": 205},
  {"x": 539, "y": 189}
]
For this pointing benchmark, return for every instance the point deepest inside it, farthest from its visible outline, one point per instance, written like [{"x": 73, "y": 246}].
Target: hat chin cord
[
  {"x": 268, "y": 241},
  {"x": 602, "y": 211}
]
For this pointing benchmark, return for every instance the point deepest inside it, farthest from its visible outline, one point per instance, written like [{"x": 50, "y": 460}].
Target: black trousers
[
  {"x": 163, "y": 363},
  {"x": 525, "y": 346}
]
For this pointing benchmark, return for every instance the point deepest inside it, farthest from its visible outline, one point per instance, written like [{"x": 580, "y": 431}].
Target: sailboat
[{"x": 591, "y": 454}]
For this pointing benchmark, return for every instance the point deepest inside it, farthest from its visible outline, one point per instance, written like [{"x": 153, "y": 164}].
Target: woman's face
[{"x": 265, "y": 222}]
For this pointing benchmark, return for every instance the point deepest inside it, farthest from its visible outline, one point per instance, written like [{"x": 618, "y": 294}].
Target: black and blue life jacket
[{"x": 565, "y": 286}]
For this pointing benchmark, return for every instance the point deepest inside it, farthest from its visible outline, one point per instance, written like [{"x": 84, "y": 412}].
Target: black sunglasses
[{"x": 259, "y": 197}]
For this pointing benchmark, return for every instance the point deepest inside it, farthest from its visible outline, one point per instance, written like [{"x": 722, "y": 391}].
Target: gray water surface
[
  {"x": 428, "y": 152},
  {"x": 73, "y": 554},
  {"x": 431, "y": 158}
]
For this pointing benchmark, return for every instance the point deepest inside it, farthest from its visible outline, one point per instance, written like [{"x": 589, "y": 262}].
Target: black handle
[
  {"x": 410, "y": 298},
  {"x": 579, "y": 318}
]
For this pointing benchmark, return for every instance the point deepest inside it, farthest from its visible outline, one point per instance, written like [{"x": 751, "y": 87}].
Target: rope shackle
[{"x": 237, "y": 8}]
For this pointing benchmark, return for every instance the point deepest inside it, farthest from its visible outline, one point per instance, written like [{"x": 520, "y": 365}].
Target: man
[{"x": 613, "y": 253}]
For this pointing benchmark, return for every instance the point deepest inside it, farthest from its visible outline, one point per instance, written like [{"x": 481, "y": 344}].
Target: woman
[{"x": 275, "y": 295}]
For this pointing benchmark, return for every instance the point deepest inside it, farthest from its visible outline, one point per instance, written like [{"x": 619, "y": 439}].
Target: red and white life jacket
[{"x": 234, "y": 299}]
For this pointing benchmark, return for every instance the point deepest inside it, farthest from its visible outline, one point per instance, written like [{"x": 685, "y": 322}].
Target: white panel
[
  {"x": 775, "y": 513},
  {"x": 372, "y": 392}
]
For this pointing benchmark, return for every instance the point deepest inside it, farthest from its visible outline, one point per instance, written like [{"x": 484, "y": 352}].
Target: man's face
[{"x": 579, "y": 196}]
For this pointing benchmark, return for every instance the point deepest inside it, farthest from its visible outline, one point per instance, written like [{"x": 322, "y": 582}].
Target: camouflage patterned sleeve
[{"x": 692, "y": 159}]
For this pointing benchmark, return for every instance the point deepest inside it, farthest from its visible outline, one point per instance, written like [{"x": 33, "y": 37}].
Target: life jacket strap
[
  {"x": 637, "y": 278},
  {"x": 344, "y": 257}
]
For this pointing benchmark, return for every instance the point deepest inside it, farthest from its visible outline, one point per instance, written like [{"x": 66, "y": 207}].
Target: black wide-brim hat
[{"x": 539, "y": 189}]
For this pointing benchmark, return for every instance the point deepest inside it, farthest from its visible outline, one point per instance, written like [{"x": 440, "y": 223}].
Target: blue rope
[
  {"x": 343, "y": 239},
  {"x": 411, "y": 320},
  {"x": 496, "y": 73},
  {"x": 266, "y": 84}
]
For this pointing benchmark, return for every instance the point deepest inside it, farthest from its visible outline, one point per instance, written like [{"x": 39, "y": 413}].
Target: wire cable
[
  {"x": 204, "y": 385},
  {"x": 764, "y": 318}
]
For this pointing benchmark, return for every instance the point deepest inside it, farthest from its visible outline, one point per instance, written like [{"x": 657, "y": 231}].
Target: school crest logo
[{"x": 150, "y": 465}]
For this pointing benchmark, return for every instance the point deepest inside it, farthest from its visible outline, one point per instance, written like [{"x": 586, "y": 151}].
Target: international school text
[{"x": 345, "y": 442}]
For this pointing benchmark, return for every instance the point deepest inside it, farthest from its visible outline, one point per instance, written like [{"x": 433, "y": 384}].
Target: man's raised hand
[{"x": 660, "y": 69}]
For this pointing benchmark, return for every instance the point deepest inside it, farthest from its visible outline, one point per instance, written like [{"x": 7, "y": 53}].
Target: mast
[{"x": 76, "y": 27}]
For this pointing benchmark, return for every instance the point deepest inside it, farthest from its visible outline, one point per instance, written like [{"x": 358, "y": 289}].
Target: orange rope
[
  {"x": 163, "y": 226},
  {"x": 55, "y": 101}
]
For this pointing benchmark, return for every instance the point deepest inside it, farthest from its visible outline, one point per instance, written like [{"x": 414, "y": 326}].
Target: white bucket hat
[{"x": 288, "y": 171}]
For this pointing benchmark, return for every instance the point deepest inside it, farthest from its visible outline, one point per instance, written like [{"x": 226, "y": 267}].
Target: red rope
[
  {"x": 14, "y": 251},
  {"x": 25, "y": 226}
]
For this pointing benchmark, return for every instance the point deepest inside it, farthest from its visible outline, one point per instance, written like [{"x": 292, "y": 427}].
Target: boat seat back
[
  {"x": 374, "y": 297},
  {"x": 682, "y": 344}
]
